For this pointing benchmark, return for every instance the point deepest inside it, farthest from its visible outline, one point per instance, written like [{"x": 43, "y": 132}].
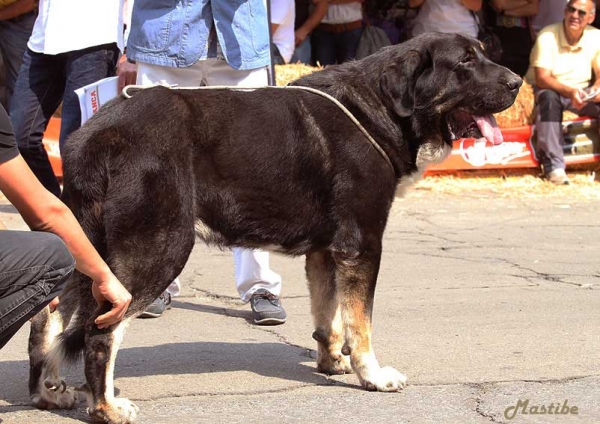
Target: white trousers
[{"x": 252, "y": 270}]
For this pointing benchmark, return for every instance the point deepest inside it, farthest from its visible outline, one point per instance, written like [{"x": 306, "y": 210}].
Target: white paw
[
  {"x": 386, "y": 379},
  {"x": 127, "y": 409}
]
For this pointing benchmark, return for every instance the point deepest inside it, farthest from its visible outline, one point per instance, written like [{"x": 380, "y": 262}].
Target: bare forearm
[
  {"x": 545, "y": 80},
  {"x": 42, "y": 211},
  {"x": 17, "y": 9},
  {"x": 343, "y": 1},
  {"x": 530, "y": 8},
  {"x": 315, "y": 17},
  {"x": 473, "y": 5},
  {"x": 415, "y": 3}
]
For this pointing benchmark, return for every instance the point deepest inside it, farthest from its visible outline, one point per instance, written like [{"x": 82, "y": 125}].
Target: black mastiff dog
[{"x": 283, "y": 169}]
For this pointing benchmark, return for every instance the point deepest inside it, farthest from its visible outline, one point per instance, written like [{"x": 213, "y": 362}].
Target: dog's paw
[
  {"x": 118, "y": 411},
  {"x": 386, "y": 379},
  {"x": 64, "y": 398},
  {"x": 334, "y": 364}
]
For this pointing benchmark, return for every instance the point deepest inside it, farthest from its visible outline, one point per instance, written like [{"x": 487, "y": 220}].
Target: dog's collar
[{"x": 129, "y": 90}]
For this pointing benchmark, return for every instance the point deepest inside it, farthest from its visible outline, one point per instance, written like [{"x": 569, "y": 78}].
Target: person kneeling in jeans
[{"x": 34, "y": 265}]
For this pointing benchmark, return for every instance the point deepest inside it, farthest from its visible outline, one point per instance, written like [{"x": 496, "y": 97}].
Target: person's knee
[
  {"x": 549, "y": 106},
  {"x": 59, "y": 257}
]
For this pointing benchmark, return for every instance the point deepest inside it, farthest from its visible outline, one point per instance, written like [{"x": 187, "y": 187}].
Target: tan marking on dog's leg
[
  {"x": 52, "y": 390},
  {"x": 356, "y": 277},
  {"x": 112, "y": 409},
  {"x": 326, "y": 314}
]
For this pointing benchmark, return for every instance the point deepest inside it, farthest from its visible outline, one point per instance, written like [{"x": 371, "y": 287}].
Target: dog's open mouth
[{"x": 462, "y": 124}]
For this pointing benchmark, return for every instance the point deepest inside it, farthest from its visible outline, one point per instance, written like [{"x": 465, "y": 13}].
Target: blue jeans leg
[
  {"x": 84, "y": 67},
  {"x": 38, "y": 94},
  {"x": 302, "y": 52},
  {"x": 34, "y": 266},
  {"x": 44, "y": 81},
  {"x": 14, "y": 34},
  {"x": 347, "y": 44},
  {"x": 323, "y": 45}
]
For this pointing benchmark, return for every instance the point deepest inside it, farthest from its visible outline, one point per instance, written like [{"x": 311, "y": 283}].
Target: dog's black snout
[{"x": 514, "y": 82}]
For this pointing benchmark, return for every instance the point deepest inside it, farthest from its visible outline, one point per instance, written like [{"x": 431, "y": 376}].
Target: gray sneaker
[
  {"x": 266, "y": 308},
  {"x": 558, "y": 176},
  {"x": 156, "y": 308}
]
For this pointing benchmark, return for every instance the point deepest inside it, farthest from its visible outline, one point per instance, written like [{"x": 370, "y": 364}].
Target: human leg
[
  {"x": 549, "y": 132},
  {"x": 347, "y": 44},
  {"x": 38, "y": 93},
  {"x": 33, "y": 270},
  {"x": 302, "y": 53},
  {"x": 254, "y": 279},
  {"x": 14, "y": 34},
  {"x": 84, "y": 67},
  {"x": 323, "y": 47}
]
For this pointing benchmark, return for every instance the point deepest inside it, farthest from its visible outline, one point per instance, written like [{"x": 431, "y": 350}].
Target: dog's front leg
[
  {"x": 356, "y": 276},
  {"x": 100, "y": 355}
]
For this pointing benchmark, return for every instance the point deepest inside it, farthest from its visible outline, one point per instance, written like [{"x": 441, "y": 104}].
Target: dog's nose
[{"x": 514, "y": 82}]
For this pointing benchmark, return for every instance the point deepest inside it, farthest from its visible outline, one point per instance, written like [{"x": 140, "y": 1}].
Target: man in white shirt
[
  {"x": 74, "y": 43},
  {"x": 283, "y": 14}
]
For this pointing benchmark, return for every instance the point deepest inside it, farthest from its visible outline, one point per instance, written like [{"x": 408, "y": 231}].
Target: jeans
[
  {"x": 548, "y": 124},
  {"x": 14, "y": 34},
  {"x": 44, "y": 81},
  {"x": 302, "y": 54},
  {"x": 330, "y": 48},
  {"x": 33, "y": 269}
]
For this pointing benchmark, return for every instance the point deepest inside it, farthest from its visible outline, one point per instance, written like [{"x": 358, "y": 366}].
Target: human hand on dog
[{"x": 111, "y": 290}]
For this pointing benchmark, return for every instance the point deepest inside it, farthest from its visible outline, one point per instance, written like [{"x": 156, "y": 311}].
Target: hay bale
[{"x": 285, "y": 74}]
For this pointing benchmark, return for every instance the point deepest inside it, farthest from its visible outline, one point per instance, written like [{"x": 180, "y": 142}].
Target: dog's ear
[{"x": 398, "y": 82}]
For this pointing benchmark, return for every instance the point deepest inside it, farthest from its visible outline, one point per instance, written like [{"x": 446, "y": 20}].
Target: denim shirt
[{"x": 178, "y": 33}]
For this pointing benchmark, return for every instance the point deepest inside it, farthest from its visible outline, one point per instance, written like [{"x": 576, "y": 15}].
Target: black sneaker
[
  {"x": 156, "y": 308},
  {"x": 266, "y": 308}
]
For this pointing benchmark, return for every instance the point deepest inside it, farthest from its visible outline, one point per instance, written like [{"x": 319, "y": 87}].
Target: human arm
[
  {"x": 472, "y": 5},
  {"x": 126, "y": 71},
  {"x": 315, "y": 18},
  {"x": 42, "y": 211},
  {"x": 516, "y": 8},
  {"x": 545, "y": 79},
  {"x": 17, "y": 9},
  {"x": 415, "y": 3}
]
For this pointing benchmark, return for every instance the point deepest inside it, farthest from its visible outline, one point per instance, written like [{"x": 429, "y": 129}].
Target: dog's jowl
[{"x": 303, "y": 172}]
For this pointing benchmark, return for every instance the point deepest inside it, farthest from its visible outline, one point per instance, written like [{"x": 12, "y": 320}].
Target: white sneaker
[{"x": 558, "y": 177}]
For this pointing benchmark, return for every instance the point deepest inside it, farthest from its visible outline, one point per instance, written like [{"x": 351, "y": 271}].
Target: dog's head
[{"x": 446, "y": 87}]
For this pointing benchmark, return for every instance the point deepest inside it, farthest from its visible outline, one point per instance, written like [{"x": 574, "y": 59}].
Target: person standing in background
[
  {"x": 73, "y": 44},
  {"x": 336, "y": 39},
  {"x": 16, "y": 23},
  {"x": 549, "y": 12},
  {"x": 309, "y": 14},
  {"x": 196, "y": 43},
  {"x": 511, "y": 22},
  {"x": 451, "y": 16},
  {"x": 283, "y": 13}
]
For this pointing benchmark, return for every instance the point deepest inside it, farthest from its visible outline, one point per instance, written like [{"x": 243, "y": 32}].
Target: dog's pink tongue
[{"x": 489, "y": 128}]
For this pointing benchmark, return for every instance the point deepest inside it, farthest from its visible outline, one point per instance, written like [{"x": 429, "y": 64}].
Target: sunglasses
[{"x": 580, "y": 12}]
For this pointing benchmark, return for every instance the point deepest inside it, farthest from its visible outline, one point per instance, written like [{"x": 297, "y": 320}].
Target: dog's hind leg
[
  {"x": 146, "y": 266},
  {"x": 356, "y": 276},
  {"x": 46, "y": 354},
  {"x": 326, "y": 312}
]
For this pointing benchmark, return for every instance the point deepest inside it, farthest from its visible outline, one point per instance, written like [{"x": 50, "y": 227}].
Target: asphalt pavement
[{"x": 489, "y": 304}]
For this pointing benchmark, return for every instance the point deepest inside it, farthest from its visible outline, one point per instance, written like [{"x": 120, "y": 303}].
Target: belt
[
  {"x": 511, "y": 22},
  {"x": 337, "y": 28}
]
